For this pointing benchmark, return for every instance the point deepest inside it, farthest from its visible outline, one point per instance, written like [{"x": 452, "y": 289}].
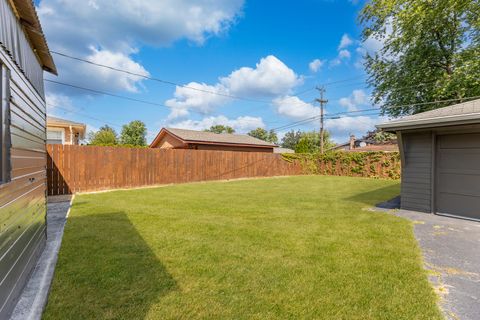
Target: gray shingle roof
[
  {"x": 462, "y": 113},
  {"x": 202, "y": 136}
]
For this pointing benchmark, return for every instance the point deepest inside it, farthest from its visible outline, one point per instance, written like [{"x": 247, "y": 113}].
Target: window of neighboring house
[
  {"x": 55, "y": 136},
  {"x": 5, "y": 137}
]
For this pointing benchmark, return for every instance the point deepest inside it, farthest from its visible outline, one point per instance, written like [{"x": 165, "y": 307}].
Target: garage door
[{"x": 458, "y": 175}]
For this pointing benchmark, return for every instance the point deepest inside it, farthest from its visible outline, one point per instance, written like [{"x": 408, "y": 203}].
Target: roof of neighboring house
[
  {"x": 388, "y": 147},
  {"x": 58, "y": 122},
  {"x": 192, "y": 136},
  {"x": 54, "y": 121},
  {"x": 338, "y": 146},
  {"x": 458, "y": 114},
  {"x": 283, "y": 150},
  {"x": 347, "y": 144},
  {"x": 25, "y": 10}
]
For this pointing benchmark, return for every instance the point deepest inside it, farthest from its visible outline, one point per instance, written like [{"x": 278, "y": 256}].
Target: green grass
[{"x": 280, "y": 248}]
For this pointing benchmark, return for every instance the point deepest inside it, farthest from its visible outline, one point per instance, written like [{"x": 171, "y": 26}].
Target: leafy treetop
[
  {"x": 103, "y": 137},
  {"x": 306, "y": 142},
  {"x": 430, "y": 52},
  {"x": 134, "y": 134},
  {"x": 262, "y": 134},
  {"x": 220, "y": 129}
]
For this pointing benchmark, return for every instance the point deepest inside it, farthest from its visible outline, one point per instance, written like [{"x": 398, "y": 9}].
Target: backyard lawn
[{"x": 277, "y": 248}]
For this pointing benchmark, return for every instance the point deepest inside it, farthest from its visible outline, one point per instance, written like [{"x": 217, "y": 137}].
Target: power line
[
  {"x": 85, "y": 115},
  {"x": 296, "y": 123},
  {"x": 65, "y": 55},
  {"x": 302, "y": 92},
  {"x": 326, "y": 84},
  {"x": 311, "y": 119},
  {"x": 166, "y": 81},
  {"x": 115, "y": 95}
]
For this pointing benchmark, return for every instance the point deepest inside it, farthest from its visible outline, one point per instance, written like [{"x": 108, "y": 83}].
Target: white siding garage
[{"x": 440, "y": 151}]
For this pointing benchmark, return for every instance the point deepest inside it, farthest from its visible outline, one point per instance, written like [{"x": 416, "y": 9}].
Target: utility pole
[{"x": 322, "y": 102}]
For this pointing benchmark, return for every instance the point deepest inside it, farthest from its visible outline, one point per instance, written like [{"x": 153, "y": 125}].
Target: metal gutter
[{"x": 463, "y": 119}]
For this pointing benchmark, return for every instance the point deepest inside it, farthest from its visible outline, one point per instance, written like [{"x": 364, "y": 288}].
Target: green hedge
[{"x": 357, "y": 164}]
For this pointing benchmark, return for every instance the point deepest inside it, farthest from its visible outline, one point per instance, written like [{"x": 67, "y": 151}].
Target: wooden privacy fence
[{"x": 72, "y": 169}]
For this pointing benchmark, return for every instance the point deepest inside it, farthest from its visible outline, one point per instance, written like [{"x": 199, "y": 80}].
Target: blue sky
[{"x": 261, "y": 52}]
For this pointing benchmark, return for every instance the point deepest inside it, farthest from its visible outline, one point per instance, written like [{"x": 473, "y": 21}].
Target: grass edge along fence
[{"x": 385, "y": 165}]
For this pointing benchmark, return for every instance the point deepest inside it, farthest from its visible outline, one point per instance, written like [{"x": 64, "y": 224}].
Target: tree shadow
[
  {"x": 376, "y": 196},
  {"x": 105, "y": 270}
]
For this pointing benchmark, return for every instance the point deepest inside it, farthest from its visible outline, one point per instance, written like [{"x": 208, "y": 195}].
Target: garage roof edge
[{"x": 458, "y": 114}]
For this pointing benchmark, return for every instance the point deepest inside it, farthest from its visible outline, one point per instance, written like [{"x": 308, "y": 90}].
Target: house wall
[
  {"x": 70, "y": 137},
  {"x": 229, "y": 148},
  {"x": 417, "y": 171},
  {"x": 14, "y": 39},
  {"x": 57, "y": 131},
  {"x": 22, "y": 199},
  {"x": 169, "y": 142}
]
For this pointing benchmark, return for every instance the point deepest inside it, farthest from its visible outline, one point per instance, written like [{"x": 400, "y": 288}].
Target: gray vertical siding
[
  {"x": 417, "y": 171},
  {"x": 14, "y": 40},
  {"x": 22, "y": 200}
]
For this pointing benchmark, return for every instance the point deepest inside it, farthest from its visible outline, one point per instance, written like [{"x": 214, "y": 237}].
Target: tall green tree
[
  {"x": 310, "y": 142},
  {"x": 220, "y": 129},
  {"x": 306, "y": 145},
  {"x": 134, "y": 134},
  {"x": 272, "y": 136},
  {"x": 291, "y": 139},
  {"x": 430, "y": 51},
  {"x": 262, "y": 134},
  {"x": 105, "y": 136}
]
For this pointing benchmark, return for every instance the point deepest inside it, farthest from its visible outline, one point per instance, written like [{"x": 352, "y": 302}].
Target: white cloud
[
  {"x": 356, "y": 99},
  {"x": 294, "y": 107},
  {"x": 201, "y": 100},
  {"x": 341, "y": 128},
  {"x": 344, "y": 54},
  {"x": 240, "y": 124},
  {"x": 315, "y": 65},
  {"x": 345, "y": 42},
  {"x": 118, "y": 23},
  {"x": 58, "y": 103},
  {"x": 100, "y": 78},
  {"x": 118, "y": 27},
  {"x": 371, "y": 46},
  {"x": 270, "y": 78}
]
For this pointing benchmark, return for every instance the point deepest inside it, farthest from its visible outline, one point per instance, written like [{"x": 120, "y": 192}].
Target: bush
[{"x": 363, "y": 164}]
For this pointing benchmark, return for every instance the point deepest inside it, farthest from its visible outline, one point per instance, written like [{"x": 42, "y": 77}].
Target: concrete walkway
[
  {"x": 451, "y": 251},
  {"x": 35, "y": 294}
]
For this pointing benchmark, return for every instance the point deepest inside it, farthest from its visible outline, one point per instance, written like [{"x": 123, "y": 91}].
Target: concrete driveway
[{"x": 451, "y": 251}]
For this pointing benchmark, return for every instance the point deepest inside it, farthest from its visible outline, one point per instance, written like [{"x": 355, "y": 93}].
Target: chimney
[{"x": 352, "y": 142}]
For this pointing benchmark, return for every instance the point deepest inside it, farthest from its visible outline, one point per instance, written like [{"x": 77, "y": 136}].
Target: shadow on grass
[
  {"x": 373, "y": 197},
  {"x": 106, "y": 270}
]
